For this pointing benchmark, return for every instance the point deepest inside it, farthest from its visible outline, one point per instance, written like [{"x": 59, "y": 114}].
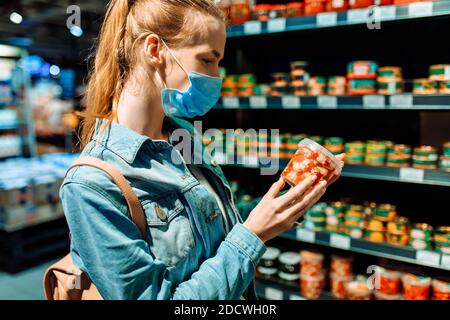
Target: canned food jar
[
  {"x": 374, "y": 236},
  {"x": 420, "y": 244},
  {"x": 355, "y": 4},
  {"x": 289, "y": 267},
  {"x": 337, "y": 5},
  {"x": 385, "y": 212},
  {"x": 362, "y": 70},
  {"x": 376, "y": 225},
  {"x": 354, "y": 232},
  {"x": 444, "y": 87},
  {"x": 400, "y": 239},
  {"x": 261, "y": 12},
  {"x": 338, "y": 285},
  {"x": 442, "y": 234},
  {"x": 425, "y": 86},
  {"x": 313, "y": 7},
  {"x": 309, "y": 159},
  {"x": 400, "y": 224},
  {"x": 295, "y": 9},
  {"x": 268, "y": 265},
  {"x": 416, "y": 287},
  {"x": 382, "y": 296},
  {"x": 278, "y": 11},
  {"x": 361, "y": 86},
  {"x": 390, "y": 281},
  {"x": 280, "y": 77},
  {"x": 441, "y": 288},
  {"x": 358, "y": 290},
  {"x": 421, "y": 231},
  {"x": 239, "y": 11},
  {"x": 389, "y": 88},
  {"x": 389, "y": 74},
  {"x": 440, "y": 72},
  {"x": 341, "y": 265},
  {"x": 311, "y": 262},
  {"x": 311, "y": 286}
]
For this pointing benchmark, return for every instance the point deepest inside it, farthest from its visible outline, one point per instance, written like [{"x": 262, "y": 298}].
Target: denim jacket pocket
[{"x": 170, "y": 233}]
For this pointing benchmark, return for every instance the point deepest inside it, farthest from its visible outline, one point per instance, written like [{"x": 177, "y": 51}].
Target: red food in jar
[
  {"x": 239, "y": 12},
  {"x": 311, "y": 159},
  {"x": 315, "y": 7},
  {"x": 415, "y": 288},
  {"x": 441, "y": 289},
  {"x": 390, "y": 282},
  {"x": 295, "y": 9}
]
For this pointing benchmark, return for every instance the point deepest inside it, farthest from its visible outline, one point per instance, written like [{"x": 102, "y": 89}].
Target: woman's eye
[{"x": 207, "y": 61}]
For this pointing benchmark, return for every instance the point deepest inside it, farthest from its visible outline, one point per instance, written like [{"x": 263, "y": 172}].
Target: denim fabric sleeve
[{"x": 122, "y": 266}]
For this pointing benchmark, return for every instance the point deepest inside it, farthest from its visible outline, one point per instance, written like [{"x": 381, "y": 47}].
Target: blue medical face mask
[{"x": 202, "y": 94}]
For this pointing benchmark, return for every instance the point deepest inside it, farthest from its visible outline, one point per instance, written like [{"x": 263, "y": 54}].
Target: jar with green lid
[{"x": 421, "y": 231}]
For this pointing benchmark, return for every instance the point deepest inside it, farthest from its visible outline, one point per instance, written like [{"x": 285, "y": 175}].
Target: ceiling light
[{"x": 15, "y": 18}]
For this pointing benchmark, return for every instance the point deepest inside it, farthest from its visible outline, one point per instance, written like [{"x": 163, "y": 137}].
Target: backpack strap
[{"x": 134, "y": 205}]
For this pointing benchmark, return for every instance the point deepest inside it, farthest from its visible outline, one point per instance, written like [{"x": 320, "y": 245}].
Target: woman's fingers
[
  {"x": 296, "y": 192},
  {"x": 275, "y": 188},
  {"x": 307, "y": 201}
]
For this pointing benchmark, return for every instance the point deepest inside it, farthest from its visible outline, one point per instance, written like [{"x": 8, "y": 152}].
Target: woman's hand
[{"x": 273, "y": 215}]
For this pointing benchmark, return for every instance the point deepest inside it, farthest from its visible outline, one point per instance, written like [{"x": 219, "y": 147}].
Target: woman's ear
[{"x": 152, "y": 50}]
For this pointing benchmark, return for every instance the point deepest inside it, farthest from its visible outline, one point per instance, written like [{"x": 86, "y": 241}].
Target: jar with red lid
[
  {"x": 295, "y": 9},
  {"x": 239, "y": 11},
  {"x": 337, "y": 5},
  {"x": 311, "y": 159},
  {"x": 261, "y": 11},
  {"x": 313, "y": 7}
]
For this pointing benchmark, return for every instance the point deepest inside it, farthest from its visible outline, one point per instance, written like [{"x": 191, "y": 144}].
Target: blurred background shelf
[
  {"x": 383, "y": 250},
  {"x": 370, "y": 102},
  {"x": 338, "y": 19}
]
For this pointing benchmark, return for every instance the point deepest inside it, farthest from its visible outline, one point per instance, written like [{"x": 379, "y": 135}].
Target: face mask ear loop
[{"x": 173, "y": 56}]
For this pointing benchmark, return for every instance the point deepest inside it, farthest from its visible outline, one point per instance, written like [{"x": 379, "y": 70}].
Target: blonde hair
[{"x": 126, "y": 24}]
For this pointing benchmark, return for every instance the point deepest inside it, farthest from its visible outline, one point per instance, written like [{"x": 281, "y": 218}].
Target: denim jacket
[{"x": 188, "y": 253}]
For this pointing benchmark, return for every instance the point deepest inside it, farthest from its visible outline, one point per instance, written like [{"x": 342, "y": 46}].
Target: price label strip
[
  {"x": 412, "y": 174},
  {"x": 326, "y": 19},
  {"x": 252, "y": 27},
  {"x": 445, "y": 261},
  {"x": 428, "y": 258},
  {"x": 340, "y": 241},
  {"x": 273, "y": 294},
  {"x": 420, "y": 9},
  {"x": 327, "y": 102},
  {"x": 230, "y": 102},
  {"x": 290, "y": 102},
  {"x": 276, "y": 25},
  {"x": 388, "y": 12},
  {"x": 306, "y": 235},
  {"x": 373, "y": 102},
  {"x": 357, "y": 15},
  {"x": 258, "y": 102},
  {"x": 401, "y": 101}
]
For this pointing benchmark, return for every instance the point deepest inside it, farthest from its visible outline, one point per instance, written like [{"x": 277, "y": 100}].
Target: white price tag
[
  {"x": 412, "y": 174},
  {"x": 399, "y": 101},
  {"x": 326, "y": 19},
  {"x": 290, "y": 102},
  {"x": 357, "y": 15},
  {"x": 252, "y": 27},
  {"x": 327, "y": 102},
  {"x": 420, "y": 9},
  {"x": 296, "y": 297},
  {"x": 276, "y": 25},
  {"x": 340, "y": 241},
  {"x": 273, "y": 294},
  {"x": 306, "y": 235},
  {"x": 388, "y": 12},
  {"x": 445, "y": 261},
  {"x": 428, "y": 258},
  {"x": 258, "y": 102},
  {"x": 230, "y": 102},
  {"x": 373, "y": 102}
]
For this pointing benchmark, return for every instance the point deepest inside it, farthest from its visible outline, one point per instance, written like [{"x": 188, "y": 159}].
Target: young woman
[{"x": 157, "y": 60}]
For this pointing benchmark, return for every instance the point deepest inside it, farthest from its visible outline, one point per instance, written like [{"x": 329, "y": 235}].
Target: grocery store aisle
[{"x": 26, "y": 285}]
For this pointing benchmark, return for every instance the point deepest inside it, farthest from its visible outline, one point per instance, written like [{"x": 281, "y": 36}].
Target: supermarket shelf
[
  {"x": 274, "y": 289},
  {"x": 409, "y": 175},
  {"x": 370, "y": 102},
  {"x": 383, "y": 250},
  {"x": 333, "y": 19},
  {"x": 9, "y": 126}
]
